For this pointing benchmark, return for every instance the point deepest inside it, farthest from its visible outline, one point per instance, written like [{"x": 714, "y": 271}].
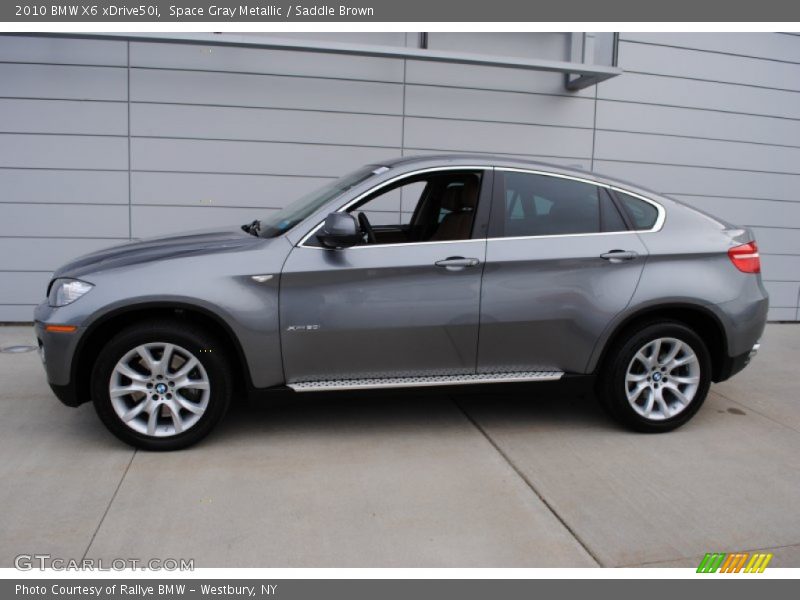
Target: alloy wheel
[
  {"x": 662, "y": 378},
  {"x": 159, "y": 389}
]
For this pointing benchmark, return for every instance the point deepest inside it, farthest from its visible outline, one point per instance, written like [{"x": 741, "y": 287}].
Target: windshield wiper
[{"x": 252, "y": 228}]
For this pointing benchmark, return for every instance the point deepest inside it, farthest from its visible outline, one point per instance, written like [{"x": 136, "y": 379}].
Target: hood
[{"x": 191, "y": 243}]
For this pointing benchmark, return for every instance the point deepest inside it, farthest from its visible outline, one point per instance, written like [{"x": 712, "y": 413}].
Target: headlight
[{"x": 66, "y": 291}]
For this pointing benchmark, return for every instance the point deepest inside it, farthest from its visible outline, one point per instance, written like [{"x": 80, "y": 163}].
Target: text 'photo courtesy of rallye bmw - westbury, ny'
[{"x": 138, "y": 590}]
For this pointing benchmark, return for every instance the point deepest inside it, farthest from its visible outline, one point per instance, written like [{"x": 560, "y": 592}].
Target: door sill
[{"x": 423, "y": 381}]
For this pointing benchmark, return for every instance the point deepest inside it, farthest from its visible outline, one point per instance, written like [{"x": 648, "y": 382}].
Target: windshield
[{"x": 281, "y": 221}]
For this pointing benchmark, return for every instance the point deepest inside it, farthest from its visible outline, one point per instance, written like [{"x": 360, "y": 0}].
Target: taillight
[{"x": 745, "y": 258}]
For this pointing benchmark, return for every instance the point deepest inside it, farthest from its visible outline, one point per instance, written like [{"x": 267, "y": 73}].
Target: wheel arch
[
  {"x": 100, "y": 330},
  {"x": 699, "y": 318}
]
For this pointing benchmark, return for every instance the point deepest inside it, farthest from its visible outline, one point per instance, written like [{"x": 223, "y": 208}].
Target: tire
[
  {"x": 631, "y": 371},
  {"x": 189, "y": 398}
]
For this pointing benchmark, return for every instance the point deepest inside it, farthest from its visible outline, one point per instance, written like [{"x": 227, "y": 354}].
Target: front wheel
[
  {"x": 657, "y": 378},
  {"x": 160, "y": 386}
]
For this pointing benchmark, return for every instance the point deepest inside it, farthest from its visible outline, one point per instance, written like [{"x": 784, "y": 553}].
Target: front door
[{"x": 404, "y": 303}]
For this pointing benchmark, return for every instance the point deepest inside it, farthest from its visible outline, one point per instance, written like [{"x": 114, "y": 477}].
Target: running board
[{"x": 423, "y": 381}]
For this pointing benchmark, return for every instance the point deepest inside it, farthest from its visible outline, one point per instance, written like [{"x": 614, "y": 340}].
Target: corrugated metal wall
[{"x": 105, "y": 140}]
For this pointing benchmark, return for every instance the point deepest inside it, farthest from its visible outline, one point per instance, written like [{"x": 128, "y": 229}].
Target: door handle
[
  {"x": 456, "y": 263},
  {"x": 618, "y": 256}
]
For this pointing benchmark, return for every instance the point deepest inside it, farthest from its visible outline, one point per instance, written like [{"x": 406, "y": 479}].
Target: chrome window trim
[
  {"x": 400, "y": 244},
  {"x": 659, "y": 208},
  {"x": 301, "y": 243},
  {"x": 656, "y": 226},
  {"x": 559, "y": 235}
]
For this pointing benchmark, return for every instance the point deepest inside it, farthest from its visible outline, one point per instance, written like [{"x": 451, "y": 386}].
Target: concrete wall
[{"x": 101, "y": 141}]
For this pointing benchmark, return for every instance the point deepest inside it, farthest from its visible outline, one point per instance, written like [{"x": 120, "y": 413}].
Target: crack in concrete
[
  {"x": 527, "y": 482},
  {"x": 110, "y": 502}
]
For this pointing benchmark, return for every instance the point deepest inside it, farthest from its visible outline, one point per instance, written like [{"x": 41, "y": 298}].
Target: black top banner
[{"x": 42, "y": 11}]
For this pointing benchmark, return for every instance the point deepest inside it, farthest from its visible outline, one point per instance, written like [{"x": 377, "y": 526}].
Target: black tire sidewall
[
  {"x": 199, "y": 344},
  {"x": 613, "y": 379}
]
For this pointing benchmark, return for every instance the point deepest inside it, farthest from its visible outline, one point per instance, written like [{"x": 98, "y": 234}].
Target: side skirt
[{"x": 424, "y": 381}]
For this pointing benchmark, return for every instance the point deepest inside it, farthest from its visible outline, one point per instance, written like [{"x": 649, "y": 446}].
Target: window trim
[
  {"x": 486, "y": 176},
  {"x": 489, "y": 170},
  {"x": 657, "y": 226}
]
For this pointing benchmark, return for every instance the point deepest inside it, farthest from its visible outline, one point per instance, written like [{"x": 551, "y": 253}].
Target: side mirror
[{"x": 340, "y": 230}]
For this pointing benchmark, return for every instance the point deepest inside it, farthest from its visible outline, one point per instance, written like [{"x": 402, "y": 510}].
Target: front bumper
[{"x": 57, "y": 350}]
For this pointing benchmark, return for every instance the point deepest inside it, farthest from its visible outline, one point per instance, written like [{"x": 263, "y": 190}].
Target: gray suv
[{"x": 425, "y": 271}]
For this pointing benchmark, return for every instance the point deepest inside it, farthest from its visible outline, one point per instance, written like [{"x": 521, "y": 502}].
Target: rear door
[{"x": 560, "y": 264}]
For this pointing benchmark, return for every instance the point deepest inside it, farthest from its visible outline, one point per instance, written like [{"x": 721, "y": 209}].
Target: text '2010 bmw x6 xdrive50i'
[{"x": 435, "y": 271}]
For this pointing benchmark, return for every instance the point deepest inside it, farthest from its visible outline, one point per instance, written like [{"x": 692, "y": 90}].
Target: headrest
[{"x": 461, "y": 197}]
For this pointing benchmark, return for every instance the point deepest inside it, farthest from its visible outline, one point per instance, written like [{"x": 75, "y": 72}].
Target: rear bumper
[{"x": 733, "y": 364}]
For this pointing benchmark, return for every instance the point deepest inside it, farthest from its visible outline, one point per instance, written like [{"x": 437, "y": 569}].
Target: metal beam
[
  {"x": 591, "y": 48},
  {"x": 579, "y": 74}
]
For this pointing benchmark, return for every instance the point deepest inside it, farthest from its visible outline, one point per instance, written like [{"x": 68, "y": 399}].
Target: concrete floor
[{"x": 437, "y": 480}]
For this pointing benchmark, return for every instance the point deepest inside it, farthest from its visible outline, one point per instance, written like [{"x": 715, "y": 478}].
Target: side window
[
  {"x": 643, "y": 214},
  {"x": 544, "y": 205},
  {"x": 410, "y": 195},
  {"x": 436, "y": 206},
  {"x": 395, "y": 206},
  {"x": 433, "y": 206}
]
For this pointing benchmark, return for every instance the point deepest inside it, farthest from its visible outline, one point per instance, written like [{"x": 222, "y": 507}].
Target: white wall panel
[
  {"x": 275, "y": 62},
  {"x": 710, "y": 95},
  {"x": 63, "y": 116},
  {"x": 54, "y": 50},
  {"x": 485, "y": 105},
  {"x": 45, "y": 254},
  {"x": 679, "y": 62},
  {"x": 689, "y": 122},
  {"x": 696, "y": 152},
  {"x": 474, "y": 136},
  {"x": 232, "y": 190},
  {"x": 64, "y": 82},
  {"x": 269, "y": 91},
  {"x": 63, "y": 186},
  {"x": 213, "y": 156},
  {"x": 23, "y": 287},
  {"x": 63, "y": 151},
  {"x": 759, "y": 45},
  {"x": 222, "y": 123},
  {"x": 64, "y": 220},
  {"x": 149, "y": 221}
]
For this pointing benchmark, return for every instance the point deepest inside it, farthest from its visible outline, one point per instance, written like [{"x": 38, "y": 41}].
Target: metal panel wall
[{"x": 102, "y": 141}]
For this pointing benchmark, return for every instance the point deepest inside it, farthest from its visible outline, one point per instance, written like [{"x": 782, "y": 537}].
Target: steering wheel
[{"x": 366, "y": 227}]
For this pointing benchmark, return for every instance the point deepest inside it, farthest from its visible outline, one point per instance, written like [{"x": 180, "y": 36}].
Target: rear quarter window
[{"x": 643, "y": 214}]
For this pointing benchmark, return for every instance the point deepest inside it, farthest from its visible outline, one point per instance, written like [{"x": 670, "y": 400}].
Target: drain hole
[{"x": 17, "y": 349}]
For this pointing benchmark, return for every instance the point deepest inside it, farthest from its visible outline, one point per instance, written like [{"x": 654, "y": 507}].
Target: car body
[{"x": 505, "y": 270}]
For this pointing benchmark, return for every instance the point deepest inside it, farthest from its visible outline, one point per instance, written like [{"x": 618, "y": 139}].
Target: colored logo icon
[{"x": 738, "y": 562}]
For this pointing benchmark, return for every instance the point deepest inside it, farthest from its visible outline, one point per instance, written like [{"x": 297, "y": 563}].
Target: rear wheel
[
  {"x": 656, "y": 378},
  {"x": 160, "y": 386}
]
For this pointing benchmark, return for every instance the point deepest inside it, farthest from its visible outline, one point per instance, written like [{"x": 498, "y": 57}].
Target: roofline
[{"x": 500, "y": 161}]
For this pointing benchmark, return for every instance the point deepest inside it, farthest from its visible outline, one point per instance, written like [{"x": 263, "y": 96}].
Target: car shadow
[{"x": 335, "y": 413}]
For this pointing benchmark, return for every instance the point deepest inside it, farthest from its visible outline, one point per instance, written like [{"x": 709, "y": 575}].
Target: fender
[
  {"x": 654, "y": 307},
  {"x": 122, "y": 308}
]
